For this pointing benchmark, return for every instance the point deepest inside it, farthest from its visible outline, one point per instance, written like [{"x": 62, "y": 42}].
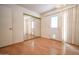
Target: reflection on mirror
[{"x": 31, "y": 27}]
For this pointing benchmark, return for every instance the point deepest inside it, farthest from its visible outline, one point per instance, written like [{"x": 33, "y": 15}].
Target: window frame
[{"x": 52, "y": 25}]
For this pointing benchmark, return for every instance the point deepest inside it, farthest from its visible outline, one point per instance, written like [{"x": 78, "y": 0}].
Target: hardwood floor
[{"x": 40, "y": 46}]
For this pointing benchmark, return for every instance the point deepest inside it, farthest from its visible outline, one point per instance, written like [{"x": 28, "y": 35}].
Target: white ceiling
[{"x": 39, "y": 8}]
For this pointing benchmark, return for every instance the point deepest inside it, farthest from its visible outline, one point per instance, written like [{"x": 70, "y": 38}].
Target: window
[
  {"x": 32, "y": 24},
  {"x": 54, "y": 22}
]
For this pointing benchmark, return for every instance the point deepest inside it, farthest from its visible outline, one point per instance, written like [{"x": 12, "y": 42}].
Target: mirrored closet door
[{"x": 31, "y": 27}]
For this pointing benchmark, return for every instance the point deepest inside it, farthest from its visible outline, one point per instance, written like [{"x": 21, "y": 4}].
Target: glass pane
[
  {"x": 32, "y": 24},
  {"x": 54, "y": 22}
]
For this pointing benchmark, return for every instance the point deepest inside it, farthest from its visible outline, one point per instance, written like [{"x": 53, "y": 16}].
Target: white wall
[
  {"x": 77, "y": 26},
  {"x": 47, "y": 31},
  {"x": 45, "y": 27},
  {"x": 46, "y": 23},
  {"x": 37, "y": 27},
  {"x": 18, "y": 21}
]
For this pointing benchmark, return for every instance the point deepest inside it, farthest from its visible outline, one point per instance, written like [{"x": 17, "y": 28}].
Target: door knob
[{"x": 10, "y": 28}]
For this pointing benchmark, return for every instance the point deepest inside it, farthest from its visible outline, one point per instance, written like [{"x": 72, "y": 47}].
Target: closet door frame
[{"x": 33, "y": 19}]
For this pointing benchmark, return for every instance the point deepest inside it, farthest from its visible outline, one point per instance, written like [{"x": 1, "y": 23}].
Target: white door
[{"x": 5, "y": 26}]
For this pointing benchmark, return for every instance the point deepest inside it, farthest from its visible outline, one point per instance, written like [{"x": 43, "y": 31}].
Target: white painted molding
[{"x": 58, "y": 10}]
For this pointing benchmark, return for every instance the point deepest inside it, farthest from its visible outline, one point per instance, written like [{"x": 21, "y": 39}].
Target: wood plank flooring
[{"x": 40, "y": 46}]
